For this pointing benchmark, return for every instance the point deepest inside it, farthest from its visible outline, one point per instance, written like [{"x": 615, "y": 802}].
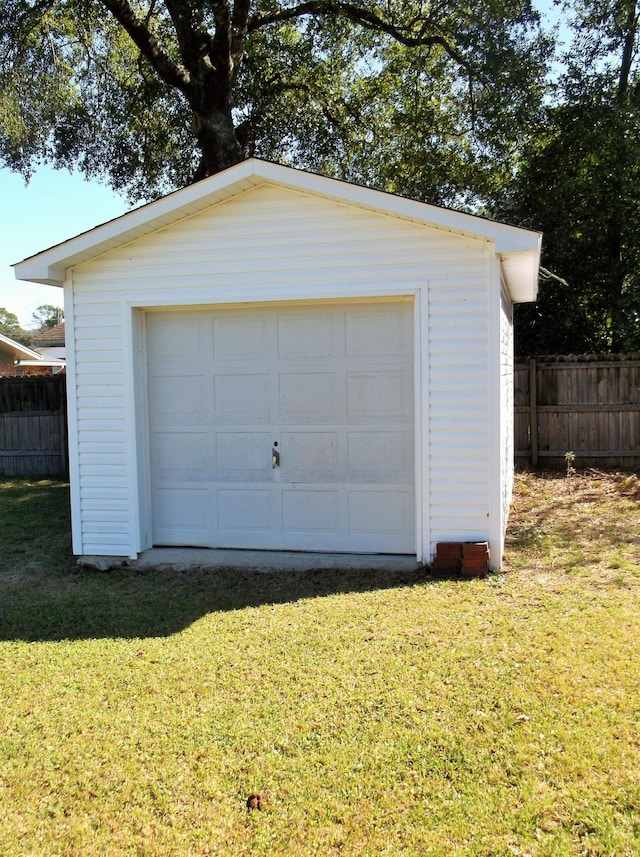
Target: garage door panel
[
  {"x": 305, "y": 336},
  {"x": 240, "y": 338},
  {"x": 380, "y": 456},
  {"x": 309, "y": 456},
  {"x": 374, "y": 334},
  {"x": 377, "y": 512},
  {"x": 179, "y": 399},
  {"x": 241, "y": 399},
  {"x": 178, "y": 337},
  {"x": 180, "y": 455},
  {"x": 311, "y": 511},
  {"x": 247, "y": 510},
  {"x": 244, "y": 455},
  {"x": 372, "y": 395},
  {"x": 181, "y": 515},
  {"x": 311, "y": 397}
]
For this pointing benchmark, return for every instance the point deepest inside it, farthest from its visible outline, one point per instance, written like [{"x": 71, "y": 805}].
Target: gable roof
[
  {"x": 12, "y": 350},
  {"x": 51, "y": 336},
  {"x": 518, "y": 249}
]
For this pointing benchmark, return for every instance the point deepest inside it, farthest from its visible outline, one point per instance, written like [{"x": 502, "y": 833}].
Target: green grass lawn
[{"x": 377, "y": 713}]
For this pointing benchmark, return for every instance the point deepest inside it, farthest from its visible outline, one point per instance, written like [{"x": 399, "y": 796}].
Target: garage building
[{"x": 273, "y": 360}]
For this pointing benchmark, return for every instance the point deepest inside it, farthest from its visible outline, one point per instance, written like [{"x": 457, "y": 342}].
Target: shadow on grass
[
  {"x": 45, "y": 596},
  {"x": 129, "y": 604}
]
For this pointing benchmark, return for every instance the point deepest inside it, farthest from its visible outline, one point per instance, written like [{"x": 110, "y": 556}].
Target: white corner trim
[
  {"x": 72, "y": 420},
  {"x": 495, "y": 469},
  {"x": 421, "y": 427},
  {"x": 128, "y": 323}
]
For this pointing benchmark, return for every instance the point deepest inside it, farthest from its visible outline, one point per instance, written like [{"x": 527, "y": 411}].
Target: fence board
[
  {"x": 589, "y": 406},
  {"x": 33, "y": 426},
  {"x": 586, "y": 405}
]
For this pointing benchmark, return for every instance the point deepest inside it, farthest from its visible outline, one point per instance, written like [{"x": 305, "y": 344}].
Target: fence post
[{"x": 533, "y": 411}]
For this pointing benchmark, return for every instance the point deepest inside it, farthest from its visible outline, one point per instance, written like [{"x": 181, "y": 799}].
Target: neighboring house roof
[
  {"x": 52, "y": 337},
  {"x": 518, "y": 249},
  {"x": 11, "y": 350}
]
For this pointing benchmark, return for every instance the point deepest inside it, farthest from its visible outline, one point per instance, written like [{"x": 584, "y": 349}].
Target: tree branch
[
  {"x": 549, "y": 275},
  {"x": 186, "y": 33},
  {"x": 629, "y": 40},
  {"x": 221, "y": 41},
  {"x": 239, "y": 24},
  {"x": 365, "y": 18},
  {"x": 172, "y": 73}
]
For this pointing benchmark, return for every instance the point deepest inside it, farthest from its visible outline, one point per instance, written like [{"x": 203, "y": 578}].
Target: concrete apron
[{"x": 189, "y": 559}]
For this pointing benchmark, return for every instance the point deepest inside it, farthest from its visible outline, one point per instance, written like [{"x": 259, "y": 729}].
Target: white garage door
[{"x": 283, "y": 428}]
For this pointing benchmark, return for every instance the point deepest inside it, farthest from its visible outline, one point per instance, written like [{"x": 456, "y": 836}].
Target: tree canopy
[
  {"x": 10, "y": 326},
  {"x": 579, "y": 183},
  {"x": 425, "y": 98},
  {"x": 446, "y": 101},
  {"x": 47, "y": 316}
]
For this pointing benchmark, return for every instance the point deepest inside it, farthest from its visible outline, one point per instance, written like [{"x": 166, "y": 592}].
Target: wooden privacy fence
[
  {"x": 33, "y": 426},
  {"x": 586, "y": 405}
]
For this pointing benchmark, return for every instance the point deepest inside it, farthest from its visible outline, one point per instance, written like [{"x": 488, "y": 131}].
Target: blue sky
[{"x": 53, "y": 207}]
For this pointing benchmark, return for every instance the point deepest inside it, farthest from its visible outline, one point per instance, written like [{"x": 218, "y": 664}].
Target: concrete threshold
[{"x": 189, "y": 559}]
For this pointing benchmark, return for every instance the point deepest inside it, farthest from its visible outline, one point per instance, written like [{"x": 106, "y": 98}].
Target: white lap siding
[
  {"x": 459, "y": 405},
  {"x": 101, "y": 368},
  {"x": 269, "y": 244}
]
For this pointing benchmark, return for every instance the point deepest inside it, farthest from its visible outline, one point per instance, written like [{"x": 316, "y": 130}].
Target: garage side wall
[{"x": 275, "y": 244}]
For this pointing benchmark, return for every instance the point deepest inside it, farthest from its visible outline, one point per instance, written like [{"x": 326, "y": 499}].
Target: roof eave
[
  {"x": 49, "y": 267},
  {"x": 43, "y": 362},
  {"x": 51, "y": 276},
  {"x": 16, "y": 350},
  {"x": 520, "y": 272}
]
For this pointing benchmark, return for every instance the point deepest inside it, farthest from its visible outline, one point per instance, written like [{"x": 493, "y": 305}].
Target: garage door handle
[{"x": 275, "y": 458}]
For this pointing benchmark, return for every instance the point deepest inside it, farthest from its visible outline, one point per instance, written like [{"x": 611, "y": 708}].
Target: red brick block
[
  {"x": 475, "y": 563},
  {"x": 474, "y": 566},
  {"x": 474, "y": 550},
  {"x": 447, "y": 560},
  {"x": 449, "y": 549},
  {"x": 478, "y": 557},
  {"x": 473, "y": 572},
  {"x": 470, "y": 559},
  {"x": 451, "y": 564}
]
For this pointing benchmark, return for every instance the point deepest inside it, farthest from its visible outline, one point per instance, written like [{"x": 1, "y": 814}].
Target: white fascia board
[
  {"x": 17, "y": 351},
  {"x": 506, "y": 238},
  {"x": 50, "y": 265},
  {"x": 43, "y": 362}
]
